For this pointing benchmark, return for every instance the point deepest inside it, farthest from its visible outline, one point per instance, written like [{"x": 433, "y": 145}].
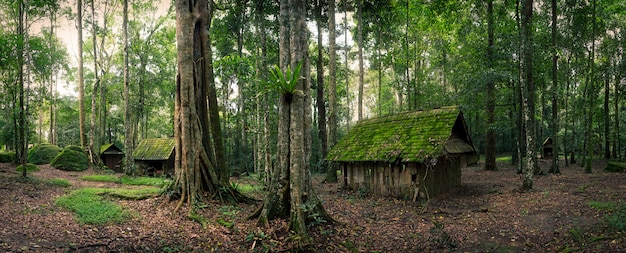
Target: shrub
[
  {"x": 29, "y": 167},
  {"x": 71, "y": 160},
  {"x": 7, "y": 156},
  {"x": 43, "y": 153}
]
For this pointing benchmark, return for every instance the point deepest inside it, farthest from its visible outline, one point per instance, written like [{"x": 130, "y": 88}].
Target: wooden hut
[
  {"x": 547, "y": 148},
  {"x": 155, "y": 156},
  {"x": 410, "y": 155},
  {"x": 112, "y": 157}
]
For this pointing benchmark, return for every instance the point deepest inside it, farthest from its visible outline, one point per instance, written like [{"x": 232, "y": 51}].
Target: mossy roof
[
  {"x": 110, "y": 148},
  {"x": 410, "y": 137},
  {"x": 154, "y": 149}
]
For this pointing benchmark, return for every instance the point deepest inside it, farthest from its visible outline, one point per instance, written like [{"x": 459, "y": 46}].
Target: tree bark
[
  {"x": 554, "y": 168},
  {"x": 128, "y": 133},
  {"x": 81, "y": 82},
  {"x": 528, "y": 96},
  {"x": 331, "y": 169},
  {"x": 321, "y": 103},
  {"x": 490, "y": 107},
  {"x": 361, "y": 70},
  {"x": 591, "y": 92}
]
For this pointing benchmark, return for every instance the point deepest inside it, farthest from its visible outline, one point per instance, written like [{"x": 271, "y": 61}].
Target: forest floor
[{"x": 570, "y": 212}]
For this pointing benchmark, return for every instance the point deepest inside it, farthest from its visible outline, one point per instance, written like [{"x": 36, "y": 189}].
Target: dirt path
[{"x": 487, "y": 213}]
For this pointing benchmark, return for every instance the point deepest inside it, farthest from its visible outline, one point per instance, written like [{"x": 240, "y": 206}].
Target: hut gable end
[{"x": 410, "y": 137}]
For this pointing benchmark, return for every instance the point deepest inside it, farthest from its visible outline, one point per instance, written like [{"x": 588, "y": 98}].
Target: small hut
[
  {"x": 410, "y": 155},
  {"x": 112, "y": 156},
  {"x": 548, "y": 149},
  {"x": 155, "y": 156}
]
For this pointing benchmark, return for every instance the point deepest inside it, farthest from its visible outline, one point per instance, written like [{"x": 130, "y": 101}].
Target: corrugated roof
[
  {"x": 410, "y": 136},
  {"x": 154, "y": 149}
]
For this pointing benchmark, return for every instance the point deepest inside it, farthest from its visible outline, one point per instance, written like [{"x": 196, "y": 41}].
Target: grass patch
[
  {"x": 503, "y": 159},
  {"x": 91, "y": 208},
  {"x": 59, "y": 182},
  {"x": 29, "y": 167},
  {"x": 247, "y": 188},
  {"x": 148, "y": 181}
]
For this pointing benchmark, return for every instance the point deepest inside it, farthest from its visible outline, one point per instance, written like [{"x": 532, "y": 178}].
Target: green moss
[
  {"x": 29, "y": 167},
  {"x": 411, "y": 136},
  {"x": 154, "y": 149},
  {"x": 43, "y": 153},
  {"x": 71, "y": 159},
  {"x": 615, "y": 166},
  {"x": 7, "y": 156},
  {"x": 91, "y": 208}
]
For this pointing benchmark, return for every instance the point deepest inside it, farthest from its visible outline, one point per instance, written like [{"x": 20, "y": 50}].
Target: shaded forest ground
[{"x": 564, "y": 213}]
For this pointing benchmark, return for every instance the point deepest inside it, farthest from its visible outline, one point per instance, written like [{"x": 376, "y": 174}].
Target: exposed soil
[{"x": 488, "y": 213}]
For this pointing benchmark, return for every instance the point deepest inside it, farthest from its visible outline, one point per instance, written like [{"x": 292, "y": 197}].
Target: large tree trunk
[
  {"x": 94, "y": 132},
  {"x": 199, "y": 167},
  {"x": 528, "y": 94},
  {"x": 321, "y": 105},
  {"x": 291, "y": 193},
  {"x": 490, "y": 107}
]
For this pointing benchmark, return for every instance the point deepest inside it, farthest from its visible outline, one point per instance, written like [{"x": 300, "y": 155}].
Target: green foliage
[
  {"x": 615, "y": 166},
  {"x": 29, "y": 167},
  {"x": 148, "y": 181},
  {"x": 61, "y": 182},
  {"x": 616, "y": 217},
  {"x": 7, "y": 156},
  {"x": 72, "y": 158},
  {"x": 91, "y": 208},
  {"x": 286, "y": 82},
  {"x": 43, "y": 153}
]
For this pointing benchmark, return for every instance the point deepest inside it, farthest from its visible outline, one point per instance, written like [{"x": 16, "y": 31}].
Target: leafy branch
[{"x": 286, "y": 82}]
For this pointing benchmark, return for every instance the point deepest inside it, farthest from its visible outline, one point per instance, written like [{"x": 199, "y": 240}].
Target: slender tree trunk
[
  {"x": 607, "y": 118},
  {"x": 52, "y": 45},
  {"x": 361, "y": 70},
  {"x": 528, "y": 96},
  {"x": 22, "y": 128},
  {"x": 94, "y": 135},
  {"x": 490, "y": 143},
  {"x": 591, "y": 94},
  {"x": 321, "y": 105},
  {"x": 128, "y": 133},
  {"x": 81, "y": 82},
  {"x": 347, "y": 81},
  {"x": 554, "y": 168},
  {"x": 331, "y": 175},
  {"x": 616, "y": 131}
]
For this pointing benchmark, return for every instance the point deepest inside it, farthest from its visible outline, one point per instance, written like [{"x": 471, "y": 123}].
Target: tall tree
[
  {"x": 360, "y": 49},
  {"x": 554, "y": 168},
  {"x": 290, "y": 192},
  {"x": 331, "y": 175},
  {"x": 320, "y": 100},
  {"x": 591, "y": 93},
  {"x": 128, "y": 125},
  {"x": 528, "y": 93},
  {"x": 81, "y": 76},
  {"x": 200, "y": 164},
  {"x": 490, "y": 105}
]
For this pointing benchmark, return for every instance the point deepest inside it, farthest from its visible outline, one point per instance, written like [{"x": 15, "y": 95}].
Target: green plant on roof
[
  {"x": 71, "y": 159},
  {"x": 43, "y": 153},
  {"x": 286, "y": 82}
]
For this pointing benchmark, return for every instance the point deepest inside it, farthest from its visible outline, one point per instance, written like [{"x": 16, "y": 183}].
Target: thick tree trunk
[
  {"x": 490, "y": 105},
  {"x": 321, "y": 105}
]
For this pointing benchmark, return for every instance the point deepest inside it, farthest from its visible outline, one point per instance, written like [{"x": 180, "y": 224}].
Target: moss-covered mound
[
  {"x": 76, "y": 148},
  {"x": 29, "y": 167},
  {"x": 43, "y": 153},
  {"x": 71, "y": 159},
  {"x": 7, "y": 156},
  {"x": 615, "y": 166}
]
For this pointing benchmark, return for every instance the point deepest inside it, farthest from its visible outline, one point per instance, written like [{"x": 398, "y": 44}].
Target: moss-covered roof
[
  {"x": 110, "y": 148},
  {"x": 154, "y": 149},
  {"x": 410, "y": 136}
]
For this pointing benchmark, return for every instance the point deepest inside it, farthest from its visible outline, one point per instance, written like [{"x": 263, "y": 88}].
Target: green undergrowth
[
  {"x": 61, "y": 182},
  {"x": 95, "y": 205},
  {"x": 148, "y": 181},
  {"x": 616, "y": 214},
  {"x": 29, "y": 167}
]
